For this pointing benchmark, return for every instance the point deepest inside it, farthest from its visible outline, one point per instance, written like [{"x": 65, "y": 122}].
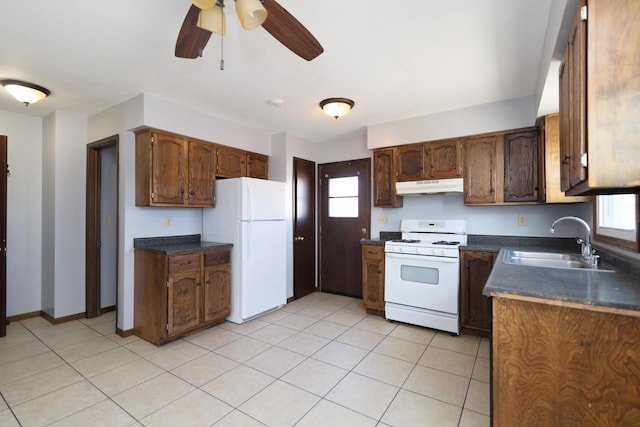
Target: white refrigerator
[{"x": 250, "y": 214}]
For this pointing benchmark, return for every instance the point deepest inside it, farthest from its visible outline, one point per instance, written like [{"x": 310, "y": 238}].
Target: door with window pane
[{"x": 345, "y": 215}]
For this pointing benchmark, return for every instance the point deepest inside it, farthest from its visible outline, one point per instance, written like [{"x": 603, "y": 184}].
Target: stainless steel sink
[{"x": 550, "y": 260}]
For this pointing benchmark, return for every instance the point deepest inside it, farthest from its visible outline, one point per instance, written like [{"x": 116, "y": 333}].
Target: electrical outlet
[
  {"x": 383, "y": 219},
  {"x": 106, "y": 220},
  {"x": 168, "y": 222},
  {"x": 522, "y": 220}
]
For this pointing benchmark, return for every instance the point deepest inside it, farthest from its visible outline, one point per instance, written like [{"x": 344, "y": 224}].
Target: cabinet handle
[
  {"x": 565, "y": 161},
  {"x": 192, "y": 193}
]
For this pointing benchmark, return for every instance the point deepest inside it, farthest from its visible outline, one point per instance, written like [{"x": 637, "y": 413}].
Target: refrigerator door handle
[{"x": 249, "y": 203}]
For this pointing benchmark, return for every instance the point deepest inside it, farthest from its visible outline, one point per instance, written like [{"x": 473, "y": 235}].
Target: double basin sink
[{"x": 550, "y": 260}]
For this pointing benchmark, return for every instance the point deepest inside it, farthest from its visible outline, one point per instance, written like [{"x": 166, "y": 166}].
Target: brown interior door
[
  {"x": 304, "y": 227},
  {"x": 345, "y": 217},
  {"x": 4, "y": 171}
]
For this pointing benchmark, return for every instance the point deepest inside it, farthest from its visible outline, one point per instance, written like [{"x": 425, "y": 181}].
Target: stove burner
[
  {"x": 406, "y": 241},
  {"x": 445, "y": 242}
]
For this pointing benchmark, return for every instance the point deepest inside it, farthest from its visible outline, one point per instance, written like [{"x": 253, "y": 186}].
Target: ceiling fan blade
[
  {"x": 191, "y": 39},
  {"x": 290, "y": 32}
]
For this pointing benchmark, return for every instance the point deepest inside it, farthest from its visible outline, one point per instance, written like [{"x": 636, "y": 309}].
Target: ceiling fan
[{"x": 193, "y": 38}]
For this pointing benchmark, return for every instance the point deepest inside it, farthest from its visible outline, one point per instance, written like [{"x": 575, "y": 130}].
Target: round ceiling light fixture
[
  {"x": 25, "y": 92},
  {"x": 336, "y": 107}
]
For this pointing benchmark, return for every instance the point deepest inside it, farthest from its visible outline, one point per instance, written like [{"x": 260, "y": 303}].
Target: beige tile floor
[{"x": 319, "y": 361}]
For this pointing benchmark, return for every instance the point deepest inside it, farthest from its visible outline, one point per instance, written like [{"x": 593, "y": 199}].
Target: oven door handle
[{"x": 392, "y": 255}]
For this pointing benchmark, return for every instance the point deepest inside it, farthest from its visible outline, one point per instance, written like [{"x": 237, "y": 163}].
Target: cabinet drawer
[
  {"x": 371, "y": 251},
  {"x": 184, "y": 262},
  {"x": 217, "y": 258}
]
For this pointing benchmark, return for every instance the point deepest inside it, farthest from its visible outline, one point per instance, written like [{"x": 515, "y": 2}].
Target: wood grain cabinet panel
[
  {"x": 171, "y": 299},
  {"x": 599, "y": 106},
  {"x": 521, "y": 173},
  {"x": 257, "y": 166},
  {"x": 373, "y": 278},
  {"x": 409, "y": 162},
  {"x": 475, "y": 267},
  {"x": 480, "y": 158},
  {"x": 443, "y": 159},
  {"x": 555, "y": 365},
  {"x": 173, "y": 171},
  {"x": 231, "y": 162},
  {"x": 384, "y": 179}
]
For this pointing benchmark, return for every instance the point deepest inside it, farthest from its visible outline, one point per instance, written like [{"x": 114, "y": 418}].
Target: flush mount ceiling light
[
  {"x": 25, "y": 92},
  {"x": 336, "y": 107}
]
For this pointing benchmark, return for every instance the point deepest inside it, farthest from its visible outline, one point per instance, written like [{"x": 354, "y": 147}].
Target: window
[
  {"x": 616, "y": 220},
  {"x": 343, "y": 197}
]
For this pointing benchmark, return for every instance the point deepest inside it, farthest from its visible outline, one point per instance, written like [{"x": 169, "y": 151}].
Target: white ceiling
[{"x": 395, "y": 59}]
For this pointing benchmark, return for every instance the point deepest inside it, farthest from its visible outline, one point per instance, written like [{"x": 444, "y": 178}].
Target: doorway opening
[{"x": 102, "y": 226}]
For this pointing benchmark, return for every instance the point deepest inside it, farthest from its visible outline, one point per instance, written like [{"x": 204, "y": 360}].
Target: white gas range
[{"x": 422, "y": 273}]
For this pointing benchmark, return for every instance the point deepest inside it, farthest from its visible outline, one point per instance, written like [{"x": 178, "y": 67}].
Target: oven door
[{"x": 422, "y": 281}]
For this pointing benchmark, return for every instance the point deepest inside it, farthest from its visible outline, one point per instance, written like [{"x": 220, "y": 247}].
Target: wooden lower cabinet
[
  {"x": 556, "y": 364},
  {"x": 475, "y": 267},
  {"x": 180, "y": 294},
  {"x": 373, "y": 278}
]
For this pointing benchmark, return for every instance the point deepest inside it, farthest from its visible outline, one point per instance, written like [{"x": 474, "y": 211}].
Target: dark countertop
[
  {"x": 178, "y": 245},
  {"x": 372, "y": 242},
  {"x": 616, "y": 290}
]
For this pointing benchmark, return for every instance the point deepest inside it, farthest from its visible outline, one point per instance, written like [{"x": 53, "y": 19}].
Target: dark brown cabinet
[
  {"x": 257, "y": 166},
  {"x": 175, "y": 295},
  {"x": 231, "y": 162},
  {"x": 502, "y": 168},
  {"x": 475, "y": 267},
  {"x": 384, "y": 179},
  {"x": 373, "y": 278},
  {"x": 409, "y": 162},
  {"x": 173, "y": 171},
  {"x": 443, "y": 159},
  {"x": 521, "y": 175},
  {"x": 480, "y": 158},
  {"x": 599, "y": 107}
]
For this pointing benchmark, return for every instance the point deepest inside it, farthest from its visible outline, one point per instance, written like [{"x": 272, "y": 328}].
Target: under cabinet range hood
[{"x": 435, "y": 186}]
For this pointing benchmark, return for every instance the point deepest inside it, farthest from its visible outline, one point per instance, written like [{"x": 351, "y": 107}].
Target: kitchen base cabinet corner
[
  {"x": 175, "y": 295},
  {"x": 373, "y": 279},
  {"x": 556, "y": 364}
]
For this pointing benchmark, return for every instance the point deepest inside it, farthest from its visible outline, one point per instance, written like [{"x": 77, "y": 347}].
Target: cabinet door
[
  {"x": 167, "y": 169},
  {"x": 202, "y": 162},
  {"x": 373, "y": 277},
  {"x": 474, "y": 308},
  {"x": 578, "y": 85},
  {"x": 384, "y": 179},
  {"x": 257, "y": 166},
  {"x": 409, "y": 164},
  {"x": 217, "y": 285},
  {"x": 183, "y": 293},
  {"x": 521, "y": 154},
  {"x": 231, "y": 163},
  {"x": 479, "y": 156},
  {"x": 443, "y": 159}
]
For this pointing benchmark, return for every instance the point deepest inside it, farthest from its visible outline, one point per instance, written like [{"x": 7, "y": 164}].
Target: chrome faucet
[{"x": 587, "y": 253}]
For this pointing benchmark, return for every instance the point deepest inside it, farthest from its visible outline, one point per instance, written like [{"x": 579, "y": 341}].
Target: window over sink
[{"x": 616, "y": 219}]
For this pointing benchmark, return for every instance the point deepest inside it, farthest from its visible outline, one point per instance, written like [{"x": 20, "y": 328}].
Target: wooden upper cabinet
[
  {"x": 481, "y": 163},
  {"x": 599, "y": 106},
  {"x": 443, "y": 159},
  {"x": 257, "y": 166},
  {"x": 173, "y": 171},
  {"x": 521, "y": 176},
  {"x": 548, "y": 127},
  {"x": 384, "y": 179},
  {"x": 231, "y": 162},
  {"x": 409, "y": 162},
  {"x": 202, "y": 167}
]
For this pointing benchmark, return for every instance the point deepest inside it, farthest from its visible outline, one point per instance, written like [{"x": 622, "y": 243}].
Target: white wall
[
  {"x": 24, "y": 211},
  {"x": 48, "y": 207}
]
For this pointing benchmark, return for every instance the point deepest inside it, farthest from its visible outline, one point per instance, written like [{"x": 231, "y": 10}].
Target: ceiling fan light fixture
[
  {"x": 25, "y": 92},
  {"x": 213, "y": 20},
  {"x": 336, "y": 107},
  {"x": 251, "y": 13},
  {"x": 204, "y": 4}
]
